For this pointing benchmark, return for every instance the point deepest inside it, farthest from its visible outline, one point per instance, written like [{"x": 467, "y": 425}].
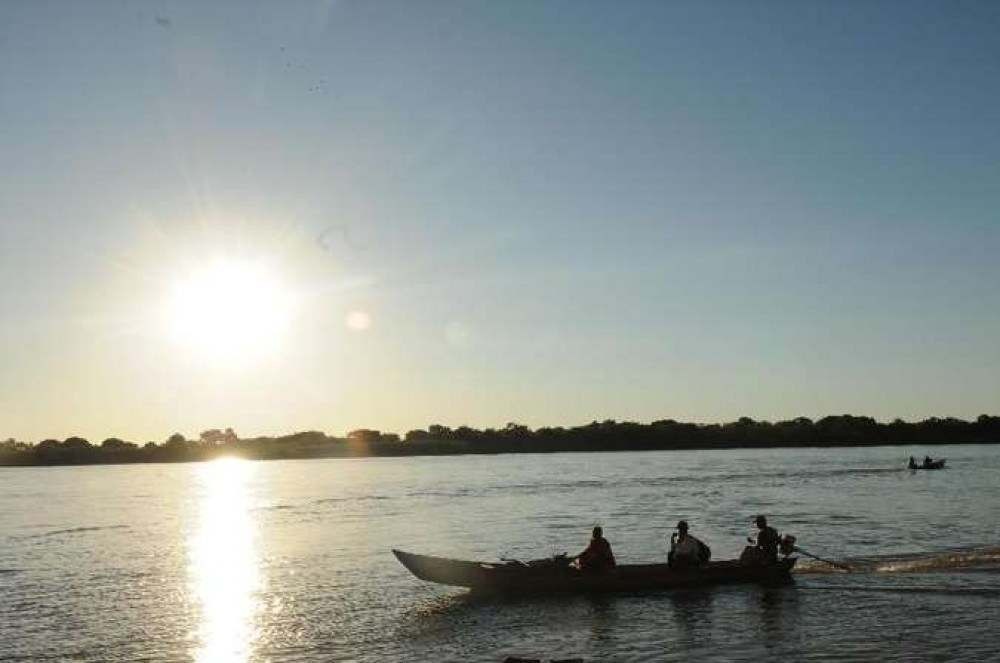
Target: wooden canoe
[{"x": 551, "y": 577}]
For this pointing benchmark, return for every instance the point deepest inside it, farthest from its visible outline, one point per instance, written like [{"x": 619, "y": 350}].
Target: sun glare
[{"x": 229, "y": 310}]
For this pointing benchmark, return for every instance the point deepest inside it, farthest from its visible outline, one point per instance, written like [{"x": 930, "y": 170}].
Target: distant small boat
[
  {"x": 933, "y": 465},
  {"x": 557, "y": 576}
]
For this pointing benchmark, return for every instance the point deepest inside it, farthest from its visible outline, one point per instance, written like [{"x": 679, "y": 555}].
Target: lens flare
[{"x": 358, "y": 321}]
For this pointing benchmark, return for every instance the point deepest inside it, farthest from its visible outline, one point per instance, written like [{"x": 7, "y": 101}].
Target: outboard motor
[{"x": 787, "y": 545}]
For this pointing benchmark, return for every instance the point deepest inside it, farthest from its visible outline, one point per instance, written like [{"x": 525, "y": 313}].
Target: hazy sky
[{"x": 544, "y": 212}]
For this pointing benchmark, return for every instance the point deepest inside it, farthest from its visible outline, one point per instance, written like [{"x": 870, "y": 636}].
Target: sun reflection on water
[{"x": 223, "y": 562}]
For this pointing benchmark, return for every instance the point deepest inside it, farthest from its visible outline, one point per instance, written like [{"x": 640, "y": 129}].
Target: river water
[{"x": 290, "y": 560}]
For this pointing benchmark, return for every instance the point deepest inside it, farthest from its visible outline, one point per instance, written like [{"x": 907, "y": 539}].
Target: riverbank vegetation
[{"x": 834, "y": 431}]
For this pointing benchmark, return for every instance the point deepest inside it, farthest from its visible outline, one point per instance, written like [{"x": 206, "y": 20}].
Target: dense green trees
[{"x": 608, "y": 435}]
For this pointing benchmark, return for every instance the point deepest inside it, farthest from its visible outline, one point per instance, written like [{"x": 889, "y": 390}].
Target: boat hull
[
  {"x": 521, "y": 579},
  {"x": 936, "y": 465}
]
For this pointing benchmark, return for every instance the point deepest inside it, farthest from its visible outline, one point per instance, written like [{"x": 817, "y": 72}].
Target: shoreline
[
  {"x": 837, "y": 431},
  {"x": 201, "y": 455}
]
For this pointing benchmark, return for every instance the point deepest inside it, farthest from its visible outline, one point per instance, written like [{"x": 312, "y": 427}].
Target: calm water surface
[{"x": 290, "y": 561}]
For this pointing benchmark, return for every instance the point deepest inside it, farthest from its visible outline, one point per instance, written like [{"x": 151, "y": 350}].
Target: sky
[{"x": 474, "y": 213}]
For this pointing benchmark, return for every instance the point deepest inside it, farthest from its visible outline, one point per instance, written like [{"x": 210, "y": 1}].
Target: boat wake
[
  {"x": 949, "y": 561},
  {"x": 979, "y": 559}
]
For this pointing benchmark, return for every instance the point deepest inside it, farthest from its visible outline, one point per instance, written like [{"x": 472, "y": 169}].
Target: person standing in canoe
[
  {"x": 767, "y": 541},
  {"x": 685, "y": 550},
  {"x": 597, "y": 558}
]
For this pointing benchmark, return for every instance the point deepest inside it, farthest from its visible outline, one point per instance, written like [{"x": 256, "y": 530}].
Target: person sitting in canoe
[
  {"x": 597, "y": 558},
  {"x": 913, "y": 463},
  {"x": 685, "y": 550},
  {"x": 767, "y": 541},
  {"x": 928, "y": 462}
]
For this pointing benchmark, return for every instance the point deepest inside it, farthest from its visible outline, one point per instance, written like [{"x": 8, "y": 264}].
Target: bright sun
[{"x": 229, "y": 310}]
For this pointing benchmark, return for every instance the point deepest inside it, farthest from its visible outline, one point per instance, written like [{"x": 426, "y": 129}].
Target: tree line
[{"x": 833, "y": 431}]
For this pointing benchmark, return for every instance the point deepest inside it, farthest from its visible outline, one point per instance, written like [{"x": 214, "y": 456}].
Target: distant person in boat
[
  {"x": 686, "y": 551},
  {"x": 913, "y": 463},
  {"x": 598, "y": 557},
  {"x": 767, "y": 541},
  {"x": 928, "y": 461}
]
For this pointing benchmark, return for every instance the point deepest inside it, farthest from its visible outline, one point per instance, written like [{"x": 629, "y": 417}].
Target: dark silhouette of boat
[
  {"x": 933, "y": 465},
  {"x": 556, "y": 575}
]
